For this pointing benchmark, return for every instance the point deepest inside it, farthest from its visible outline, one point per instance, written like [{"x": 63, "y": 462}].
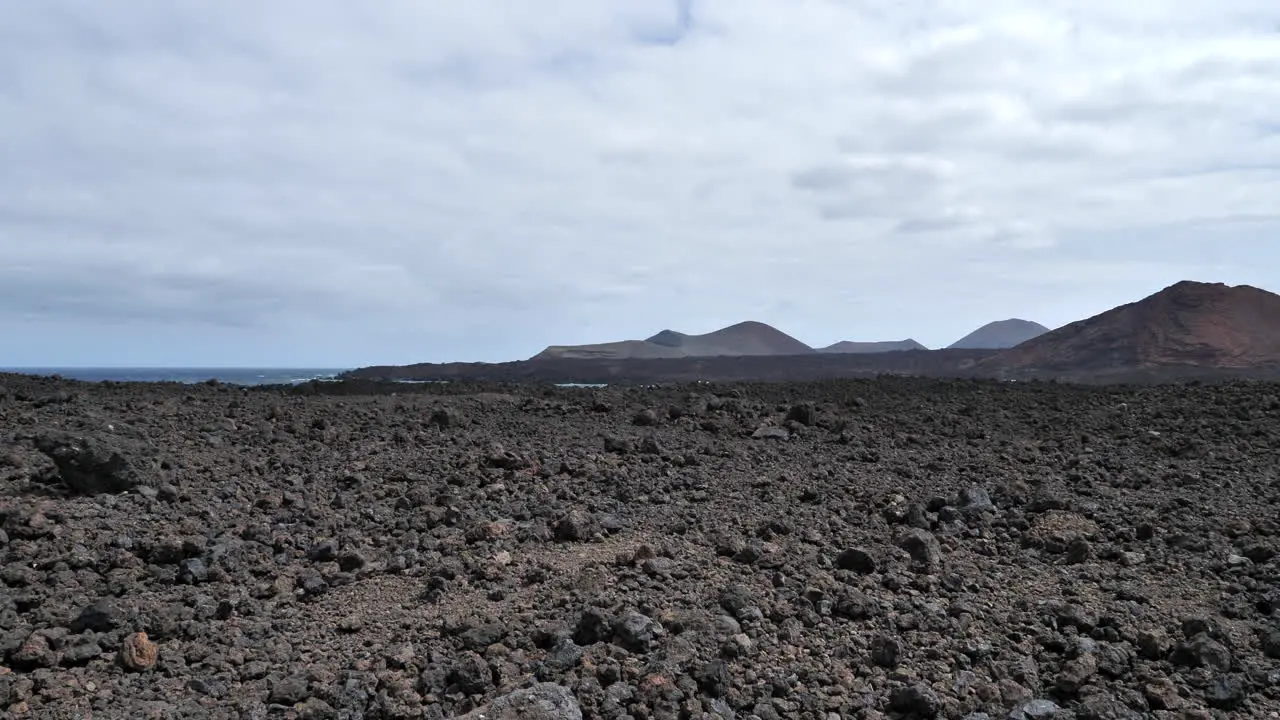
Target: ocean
[{"x": 231, "y": 376}]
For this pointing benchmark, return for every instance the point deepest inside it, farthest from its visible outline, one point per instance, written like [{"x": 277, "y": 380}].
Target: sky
[{"x": 323, "y": 183}]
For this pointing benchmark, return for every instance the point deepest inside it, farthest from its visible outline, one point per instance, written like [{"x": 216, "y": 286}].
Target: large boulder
[
  {"x": 89, "y": 465},
  {"x": 544, "y": 701}
]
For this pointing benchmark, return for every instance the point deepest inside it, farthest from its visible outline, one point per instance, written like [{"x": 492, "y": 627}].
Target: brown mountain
[
  {"x": 1190, "y": 324},
  {"x": 999, "y": 335},
  {"x": 859, "y": 348},
  {"x": 744, "y": 339}
]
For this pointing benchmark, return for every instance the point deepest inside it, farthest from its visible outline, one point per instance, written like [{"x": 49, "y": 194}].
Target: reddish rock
[{"x": 138, "y": 653}]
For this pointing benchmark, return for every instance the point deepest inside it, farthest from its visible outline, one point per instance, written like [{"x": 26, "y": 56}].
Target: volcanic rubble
[{"x": 894, "y": 548}]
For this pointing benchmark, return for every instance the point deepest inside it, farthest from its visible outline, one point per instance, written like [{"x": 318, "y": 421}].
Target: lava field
[{"x": 884, "y": 548}]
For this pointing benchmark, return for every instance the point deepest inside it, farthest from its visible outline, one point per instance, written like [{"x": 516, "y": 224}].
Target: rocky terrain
[
  {"x": 1189, "y": 324},
  {"x": 897, "y": 548},
  {"x": 1000, "y": 334}
]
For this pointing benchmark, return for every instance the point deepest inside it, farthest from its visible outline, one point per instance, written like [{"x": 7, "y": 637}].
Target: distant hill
[
  {"x": 999, "y": 335},
  {"x": 852, "y": 347},
  {"x": 668, "y": 338},
  {"x": 1189, "y": 324},
  {"x": 625, "y": 349},
  {"x": 743, "y": 339},
  {"x": 1187, "y": 331}
]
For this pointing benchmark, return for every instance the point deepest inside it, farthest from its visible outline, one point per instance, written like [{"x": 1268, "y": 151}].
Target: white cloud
[{"x": 422, "y": 178}]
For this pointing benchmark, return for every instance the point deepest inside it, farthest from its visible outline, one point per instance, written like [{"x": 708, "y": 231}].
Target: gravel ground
[{"x": 892, "y": 548}]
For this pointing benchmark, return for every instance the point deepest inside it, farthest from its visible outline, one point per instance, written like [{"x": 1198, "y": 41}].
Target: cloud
[{"x": 477, "y": 180}]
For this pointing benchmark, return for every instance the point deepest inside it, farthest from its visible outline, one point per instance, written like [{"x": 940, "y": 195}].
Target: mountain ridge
[
  {"x": 1187, "y": 329},
  {"x": 755, "y": 338},
  {"x": 1189, "y": 323},
  {"x": 744, "y": 339}
]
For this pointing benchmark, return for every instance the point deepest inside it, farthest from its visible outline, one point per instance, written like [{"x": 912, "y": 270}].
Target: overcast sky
[{"x": 331, "y": 183}]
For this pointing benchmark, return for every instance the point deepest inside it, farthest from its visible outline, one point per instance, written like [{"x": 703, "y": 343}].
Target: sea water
[{"x": 231, "y": 376}]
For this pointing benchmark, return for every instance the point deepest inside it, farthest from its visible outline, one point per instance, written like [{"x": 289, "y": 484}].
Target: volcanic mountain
[
  {"x": 860, "y": 348},
  {"x": 1000, "y": 334},
  {"x": 745, "y": 338},
  {"x": 1189, "y": 324}
]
